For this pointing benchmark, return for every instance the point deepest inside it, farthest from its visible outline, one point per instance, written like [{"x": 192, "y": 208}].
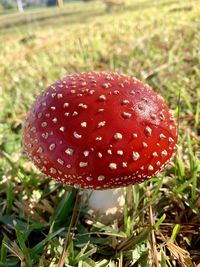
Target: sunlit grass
[{"x": 156, "y": 41}]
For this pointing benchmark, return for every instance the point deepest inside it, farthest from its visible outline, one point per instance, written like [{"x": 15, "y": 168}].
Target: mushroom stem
[{"x": 107, "y": 205}]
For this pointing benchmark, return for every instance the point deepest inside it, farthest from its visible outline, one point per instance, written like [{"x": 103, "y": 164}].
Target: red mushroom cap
[{"x": 99, "y": 130}]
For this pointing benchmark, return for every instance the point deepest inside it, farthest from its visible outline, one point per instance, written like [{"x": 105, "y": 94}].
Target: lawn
[{"x": 41, "y": 220}]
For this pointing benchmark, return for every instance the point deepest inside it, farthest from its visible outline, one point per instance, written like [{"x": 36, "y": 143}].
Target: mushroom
[{"x": 99, "y": 130}]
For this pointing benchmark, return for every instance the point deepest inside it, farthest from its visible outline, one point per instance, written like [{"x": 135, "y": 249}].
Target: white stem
[{"x": 106, "y": 204}]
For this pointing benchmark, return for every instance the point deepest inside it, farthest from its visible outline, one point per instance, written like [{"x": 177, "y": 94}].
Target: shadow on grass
[
  {"x": 70, "y": 18},
  {"x": 80, "y": 16}
]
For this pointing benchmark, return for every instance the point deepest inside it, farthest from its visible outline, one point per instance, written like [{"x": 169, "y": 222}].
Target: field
[{"x": 42, "y": 221}]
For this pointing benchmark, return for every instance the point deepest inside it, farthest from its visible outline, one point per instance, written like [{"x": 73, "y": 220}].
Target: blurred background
[{"x": 158, "y": 41}]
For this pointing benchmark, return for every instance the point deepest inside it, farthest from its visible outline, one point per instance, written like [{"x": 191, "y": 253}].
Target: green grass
[{"x": 156, "y": 41}]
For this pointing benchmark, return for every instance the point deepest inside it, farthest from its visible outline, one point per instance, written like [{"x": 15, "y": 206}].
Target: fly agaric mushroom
[{"x": 99, "y": 130}]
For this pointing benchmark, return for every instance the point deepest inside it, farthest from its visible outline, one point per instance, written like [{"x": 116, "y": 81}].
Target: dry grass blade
[
  {"x": 69, "y": 234},
  {"x": 15, "y": 250},
  {"x": 121, "y": 260},
  {"x": 153, "y": 238},
  {"x": 180, "y": 254}
]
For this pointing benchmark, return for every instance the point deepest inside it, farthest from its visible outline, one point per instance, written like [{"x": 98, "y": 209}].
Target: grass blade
[{"x": 21, "y": 240}]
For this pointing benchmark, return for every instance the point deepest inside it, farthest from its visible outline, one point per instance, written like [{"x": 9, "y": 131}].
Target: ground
[{"x": 156, "y": 41}]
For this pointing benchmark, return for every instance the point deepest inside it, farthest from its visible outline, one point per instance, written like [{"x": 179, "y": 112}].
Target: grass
[{"x": 156, "y": 41}]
